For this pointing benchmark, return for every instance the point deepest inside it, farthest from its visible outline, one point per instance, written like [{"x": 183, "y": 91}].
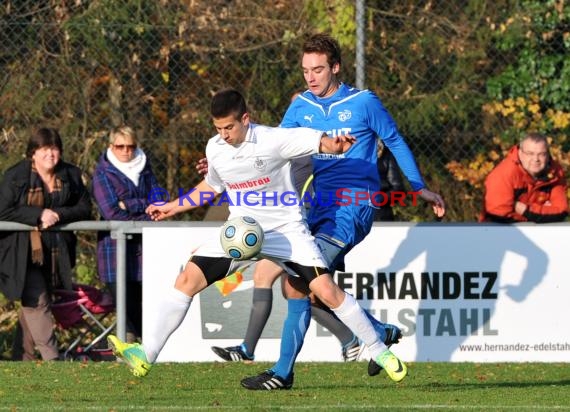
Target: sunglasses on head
[{"x": 125, "y": 146}]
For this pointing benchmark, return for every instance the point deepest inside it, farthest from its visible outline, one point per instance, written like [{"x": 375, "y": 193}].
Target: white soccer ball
[{"x": 241, "y": 237}]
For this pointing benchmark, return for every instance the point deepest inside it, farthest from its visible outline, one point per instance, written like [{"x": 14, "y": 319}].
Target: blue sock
[
  {"x": 378, "y": 326},
  {"x": 293, "y": 335},
  {"x": 243, "y": 347}
]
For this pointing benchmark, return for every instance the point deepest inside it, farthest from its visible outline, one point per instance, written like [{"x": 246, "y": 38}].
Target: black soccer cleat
[
  {"x": 352, "y": 351},
  {"x": 373, "y": 368},
  {"x": 267, "y": 381},
  {"x": 393, "y": 336},
  {"x": 232, "y": 353}
]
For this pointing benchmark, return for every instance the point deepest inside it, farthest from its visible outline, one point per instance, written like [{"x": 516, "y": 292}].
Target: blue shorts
[{"x": 338, "y": 229}]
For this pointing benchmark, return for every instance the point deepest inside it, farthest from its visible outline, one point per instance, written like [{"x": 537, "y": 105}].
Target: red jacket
[{"x": 508, "y": 183}]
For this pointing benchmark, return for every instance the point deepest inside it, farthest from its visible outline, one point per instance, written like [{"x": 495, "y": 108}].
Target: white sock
[
  {"x": 353, "y": 316},
  {"x": 173, "y": 309}
]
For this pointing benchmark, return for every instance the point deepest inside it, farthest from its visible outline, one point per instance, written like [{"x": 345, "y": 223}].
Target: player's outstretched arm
[
  {"x": 191, "y": 200},
  {"x": 336, "y": 145},
  {"x": 436, "y": 200}
]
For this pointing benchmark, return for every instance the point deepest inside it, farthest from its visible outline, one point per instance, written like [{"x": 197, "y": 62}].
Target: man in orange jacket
[{"x": 526, "y": 186}]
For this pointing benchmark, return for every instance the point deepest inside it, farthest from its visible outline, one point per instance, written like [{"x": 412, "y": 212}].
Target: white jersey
[{"x": 256, "y": 174}]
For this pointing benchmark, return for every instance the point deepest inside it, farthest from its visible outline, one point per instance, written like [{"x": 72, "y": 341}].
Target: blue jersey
[{"x": 361, "y": 114}]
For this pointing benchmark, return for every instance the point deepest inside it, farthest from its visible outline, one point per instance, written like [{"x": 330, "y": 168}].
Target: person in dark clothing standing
[
  {"x": 390, "y": 181},
  {"x": 41, "y": 191}
]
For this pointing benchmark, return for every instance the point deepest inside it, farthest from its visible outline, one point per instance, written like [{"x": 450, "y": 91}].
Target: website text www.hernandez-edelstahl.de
[{"x": 516, "y": 347}]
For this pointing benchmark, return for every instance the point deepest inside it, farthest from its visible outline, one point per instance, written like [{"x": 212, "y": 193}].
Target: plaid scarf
[{"x": 36, "y": 198}]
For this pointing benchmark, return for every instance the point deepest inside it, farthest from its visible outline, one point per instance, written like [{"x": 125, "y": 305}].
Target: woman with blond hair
[{"x": 122, "y": 183}]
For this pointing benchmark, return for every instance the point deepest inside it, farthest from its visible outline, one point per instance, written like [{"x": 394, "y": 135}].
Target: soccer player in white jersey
[
  {"x": 259, "y": 156},
  {"x": 332, "y": 106}
]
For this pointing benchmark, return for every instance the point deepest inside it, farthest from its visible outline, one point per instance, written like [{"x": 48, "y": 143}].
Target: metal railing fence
[{"x": 119, "y": 231}]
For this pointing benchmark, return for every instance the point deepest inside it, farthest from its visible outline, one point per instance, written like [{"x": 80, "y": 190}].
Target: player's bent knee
[
  {"x": 191, "y": 280},
  {"x": 266, "y": 273}
]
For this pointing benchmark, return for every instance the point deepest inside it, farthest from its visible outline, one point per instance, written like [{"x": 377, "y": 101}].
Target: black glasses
[{"x": 125, "y": 146}]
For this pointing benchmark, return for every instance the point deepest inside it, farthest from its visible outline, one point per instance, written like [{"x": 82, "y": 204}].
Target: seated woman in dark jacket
[{"x": 42, "y": 191}]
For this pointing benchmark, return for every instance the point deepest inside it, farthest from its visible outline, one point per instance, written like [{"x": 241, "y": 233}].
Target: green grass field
[{"x": 109, "y": 386}]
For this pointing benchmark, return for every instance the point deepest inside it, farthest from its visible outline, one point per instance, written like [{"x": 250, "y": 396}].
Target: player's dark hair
[
  {"x": 228, "y": 102},
  {"x": 324, "y": 44},
  {"x": 44, "y": 137}
]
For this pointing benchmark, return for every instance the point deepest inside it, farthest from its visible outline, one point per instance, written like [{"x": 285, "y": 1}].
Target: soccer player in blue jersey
[{"x": 337, "y": 109}]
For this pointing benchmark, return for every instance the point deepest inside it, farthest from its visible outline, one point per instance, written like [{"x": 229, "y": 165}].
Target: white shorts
[{"x": 292, "y": 242}]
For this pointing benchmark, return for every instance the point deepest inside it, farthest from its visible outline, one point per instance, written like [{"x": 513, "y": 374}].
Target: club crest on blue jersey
[
  {"x": 344, "y": 115},
  {"x": 259, "y": 164}
]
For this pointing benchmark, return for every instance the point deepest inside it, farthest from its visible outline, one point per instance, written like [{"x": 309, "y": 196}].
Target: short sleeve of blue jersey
[{"x": 289, "y": 117}]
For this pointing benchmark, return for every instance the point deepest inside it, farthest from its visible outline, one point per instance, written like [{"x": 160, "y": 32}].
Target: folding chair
[{"x": 83, "y": 310}]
